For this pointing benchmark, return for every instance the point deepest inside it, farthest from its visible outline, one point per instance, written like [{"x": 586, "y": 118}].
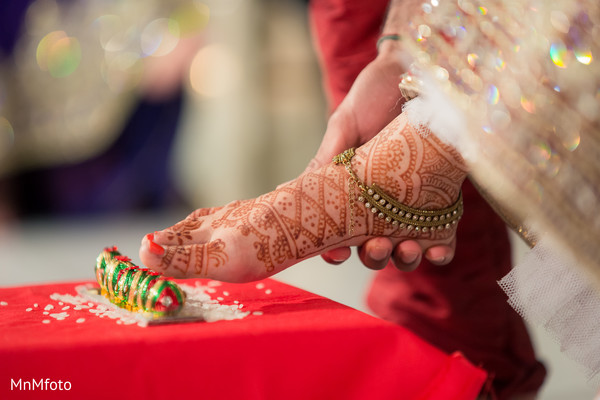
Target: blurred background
[{"x": 119, "y": 118}]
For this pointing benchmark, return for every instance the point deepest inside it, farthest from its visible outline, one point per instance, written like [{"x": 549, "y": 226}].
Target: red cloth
[
  {"x": 458, "y": 306},
  {"x": 461, "y": 307},
  {"x": 303, "y": 347},
  {"x": 346, "y": 35}
]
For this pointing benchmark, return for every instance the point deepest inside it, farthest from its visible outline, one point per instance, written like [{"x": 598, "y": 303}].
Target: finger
[
  {"x": 337, "y": 256},
  {"x": 407, "y": 255},
  {"x": 441, "y": 255},
  {"x": 375, "y": 253}
]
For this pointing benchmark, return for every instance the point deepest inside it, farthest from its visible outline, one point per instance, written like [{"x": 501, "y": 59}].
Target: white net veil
[{"x": 548, "y": 290}]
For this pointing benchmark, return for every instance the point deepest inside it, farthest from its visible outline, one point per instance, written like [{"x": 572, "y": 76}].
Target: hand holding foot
[
  {"x": 375, "y": 93},
  {"x": 252, "y": 239}
]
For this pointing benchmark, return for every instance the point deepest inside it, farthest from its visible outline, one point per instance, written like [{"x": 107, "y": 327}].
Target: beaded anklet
[{"x": 394, "y": 212}]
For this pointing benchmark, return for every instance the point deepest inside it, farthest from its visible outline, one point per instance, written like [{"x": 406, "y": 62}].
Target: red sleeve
[{"x": 345, "y": 33}]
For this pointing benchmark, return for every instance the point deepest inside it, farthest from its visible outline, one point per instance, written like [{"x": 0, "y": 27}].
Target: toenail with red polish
[{"x": 154, "y": 247}]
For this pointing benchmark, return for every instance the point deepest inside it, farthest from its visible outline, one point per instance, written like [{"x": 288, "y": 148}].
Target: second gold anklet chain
[{"x": 392, "y": 211}]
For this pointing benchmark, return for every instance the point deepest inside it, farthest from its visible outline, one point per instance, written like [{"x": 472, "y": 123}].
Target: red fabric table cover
[{"x": 303, "y": 346}]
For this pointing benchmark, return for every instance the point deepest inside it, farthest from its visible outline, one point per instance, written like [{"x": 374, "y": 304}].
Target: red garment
[
  {"x": 346, "y": 32},
  {"x": 458, "y": 306},
  {"x": 302, "y": 347}
]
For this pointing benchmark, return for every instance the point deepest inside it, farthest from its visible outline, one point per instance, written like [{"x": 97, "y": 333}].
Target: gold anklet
[{"x": 394, "y": 212}]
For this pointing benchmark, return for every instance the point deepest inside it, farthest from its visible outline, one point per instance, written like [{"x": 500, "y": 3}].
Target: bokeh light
[
  {"x": 189, "y": 18},
  {"x": 493, "y": 94},
  {"x": 584, "y": 56},
  {"x": 540, "y": 153},
  {"x": 439, "y": 73},
  {"x": 424, "y": 31},
  {"x": 472, "y": 59},
  {"x": 107, "y": 26},
  {"x": 544, "y": 158},
  {"x": 215, "y": 71},
  {"x": 159, "y": 37},
  {"x": 500, "y": 64},
  {"x": 58, "y": 54},
  {"x": 527, "y": 105},
  {"x": 123, "y": 39},
  {"x": 122, "y": 72},
  {"x": 558, "y": 54},
  {"x": 571, "y": 140}
]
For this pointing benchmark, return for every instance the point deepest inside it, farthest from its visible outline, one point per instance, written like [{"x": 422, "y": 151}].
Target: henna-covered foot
[{"x": 252, "y": 239}]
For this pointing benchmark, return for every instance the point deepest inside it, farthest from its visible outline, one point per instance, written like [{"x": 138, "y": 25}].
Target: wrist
[
  {"x": 391, "y": 52},
  {"x": 390, "y": 47},
  {"x": 394, "y": 37},
  {"x": 389, "y": 42}
]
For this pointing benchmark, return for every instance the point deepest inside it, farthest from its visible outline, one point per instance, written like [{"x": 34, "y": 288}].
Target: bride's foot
[{"x": 252, "y": 239}]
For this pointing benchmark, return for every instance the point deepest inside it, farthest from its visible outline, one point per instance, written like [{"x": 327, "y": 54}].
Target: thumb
[
  {"x": 316, "y": 163},
  {"x": 339, "y": 136}
]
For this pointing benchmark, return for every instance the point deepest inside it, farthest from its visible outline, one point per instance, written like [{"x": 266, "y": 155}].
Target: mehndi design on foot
[
  {"x": 386, "y": 207},
  {"x": 252, "y": 239}
]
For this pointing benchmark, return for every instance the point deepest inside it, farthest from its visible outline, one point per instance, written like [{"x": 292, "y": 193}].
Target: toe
[
  {"x": 184, "y": 261},
  {"x": 151, "y": 253},
  {"x": 192, "y": 230},
  {"x": 203, "y": 212}
]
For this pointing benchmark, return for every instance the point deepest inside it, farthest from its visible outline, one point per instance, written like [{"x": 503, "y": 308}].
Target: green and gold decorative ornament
[
  {"x": 136, "y": 289},
  {"x": 385, "y": 207}
]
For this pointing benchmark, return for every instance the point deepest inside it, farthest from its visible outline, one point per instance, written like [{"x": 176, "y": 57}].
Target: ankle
[{"x": 417, "y": 170}]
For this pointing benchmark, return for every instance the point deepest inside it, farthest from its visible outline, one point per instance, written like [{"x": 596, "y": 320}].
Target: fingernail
[
  {"x": 438, "y": 260},
  {"x": 154, "y": 248},
  {"x": 409, "y": 258},
  {"x": 379, "y": 253}
]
